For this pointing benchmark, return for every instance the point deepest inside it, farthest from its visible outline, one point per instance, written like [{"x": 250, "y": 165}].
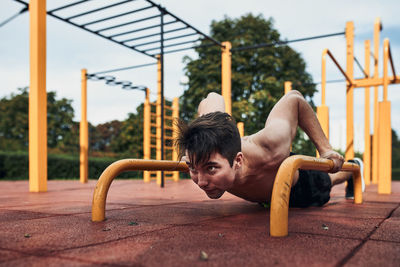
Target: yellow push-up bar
[
  {"x": 283, "y": 184},
  {"x": 280, "y": 193}
]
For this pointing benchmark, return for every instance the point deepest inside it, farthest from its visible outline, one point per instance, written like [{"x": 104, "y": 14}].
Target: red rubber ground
[{"x": 150, "y": 226}]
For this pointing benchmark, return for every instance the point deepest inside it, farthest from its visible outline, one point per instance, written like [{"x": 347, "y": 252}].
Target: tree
[
  {"x": 130, "y": 139},
  {"x": 14, "y": 122},
  {"x": 395, "y": 150},
  {"x": 258, "y": 75},
  {"x": 102, "y": 135}
]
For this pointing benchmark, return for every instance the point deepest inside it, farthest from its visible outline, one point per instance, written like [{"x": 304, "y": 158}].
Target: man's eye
[{"x": 211, "y": 168}]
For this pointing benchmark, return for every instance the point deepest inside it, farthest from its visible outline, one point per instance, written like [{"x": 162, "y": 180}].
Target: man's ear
[{"x": 238, "y": 161}]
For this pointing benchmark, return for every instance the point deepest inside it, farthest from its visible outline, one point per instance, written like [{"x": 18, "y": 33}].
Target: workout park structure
[{"x": 383, "y": 195}]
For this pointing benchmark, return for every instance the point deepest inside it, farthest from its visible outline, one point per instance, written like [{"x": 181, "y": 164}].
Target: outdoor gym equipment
[
  {"x": 382, "y": 137},
  {"x": 280, "y": 194}
]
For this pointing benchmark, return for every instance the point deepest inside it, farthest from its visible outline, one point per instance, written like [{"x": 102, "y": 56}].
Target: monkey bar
[{"x": 280, "y": 194}]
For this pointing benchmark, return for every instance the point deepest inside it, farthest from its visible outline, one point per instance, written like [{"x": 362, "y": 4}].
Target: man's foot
[{"x": 350, "y": 184}]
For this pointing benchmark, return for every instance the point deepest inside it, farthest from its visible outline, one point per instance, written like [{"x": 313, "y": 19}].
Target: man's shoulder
[{"x": 260, "y": 155}]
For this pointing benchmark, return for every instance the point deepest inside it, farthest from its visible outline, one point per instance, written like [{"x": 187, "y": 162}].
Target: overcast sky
[{"x": 70, "y": 49}]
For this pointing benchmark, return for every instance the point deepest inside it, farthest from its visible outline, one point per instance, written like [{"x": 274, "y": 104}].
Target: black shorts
[{"x": 313, "y": 188}]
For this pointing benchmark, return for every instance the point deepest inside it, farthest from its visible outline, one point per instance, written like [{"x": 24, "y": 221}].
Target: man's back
[{"x": 258, "y": 174}]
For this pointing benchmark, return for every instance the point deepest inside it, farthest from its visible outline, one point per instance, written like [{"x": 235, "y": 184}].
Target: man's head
[
  {"x": 211, "y": 133},
  {"x": 211, "y": 145}
]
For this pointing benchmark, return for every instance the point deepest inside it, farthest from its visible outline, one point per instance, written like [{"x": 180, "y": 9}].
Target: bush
[
  {"x": 396, "y": 174},
  {"x": 15, "y": 166}
]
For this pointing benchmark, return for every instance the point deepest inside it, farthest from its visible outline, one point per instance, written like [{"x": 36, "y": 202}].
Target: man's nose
[{"x": 202, "y": 181}]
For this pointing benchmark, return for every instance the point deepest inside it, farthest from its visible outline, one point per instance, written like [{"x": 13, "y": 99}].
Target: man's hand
[{"x": 336, "y": 158}]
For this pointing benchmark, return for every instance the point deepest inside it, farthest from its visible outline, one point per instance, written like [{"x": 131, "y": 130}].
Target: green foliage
[
  {"x": 303, "y": 145},
  {"x": 258, "y": 75},
  {"x": 14, "y": 121},
  {"x": 395, "y": 152},
  {"x": 61, "y": 130},
  {"x": 130, "y": 138},
  {"x": 14, "y": 165}
]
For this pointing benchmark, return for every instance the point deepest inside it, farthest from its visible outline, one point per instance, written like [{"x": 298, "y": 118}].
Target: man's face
[{"x": 214, "y": 176}]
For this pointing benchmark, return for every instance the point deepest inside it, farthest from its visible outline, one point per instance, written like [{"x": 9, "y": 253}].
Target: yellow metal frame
[
  {"x": 381, "y": 141},
  {"x": 147, "y": 135},
  {"x": 280, "y": 194},
  {"x": 108, "y": 175},
  {"x": 367, "y": 119},
  {"x": 375, "y": 137},
  {"x": 349, "y": 153},
  {"x": 226, "y": 73},
  {"x": 37, "y": 98},
  {"x": 84, "y": 132},
  {"x": 283, "y": 184}
]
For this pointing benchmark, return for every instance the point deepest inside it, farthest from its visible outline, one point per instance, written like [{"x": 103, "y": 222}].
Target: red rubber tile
[
  {"x": 7, "y": 255},
  {"x": 35, "y": 261},
  {"x": 182, "y": 245},
  {"x": 396, "y": 213},
  {"x": 377, "y": 253},
  {"x": 60, "y": 208},
  {"x": 389, "y": 230},
  {"x": 305, "y": 224},
  {"x": 346, "y": 208},
  {"x": 8, "y": 216},
  {"x": 61, "y": 232}
]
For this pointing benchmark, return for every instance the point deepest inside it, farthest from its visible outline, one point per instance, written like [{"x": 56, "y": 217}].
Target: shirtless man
[{"x": 219, "y": 160}]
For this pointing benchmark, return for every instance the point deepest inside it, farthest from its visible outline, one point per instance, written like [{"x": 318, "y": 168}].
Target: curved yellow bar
[
  {"x": 108, "y": 175},
  {"x": 283, "y": 184}
]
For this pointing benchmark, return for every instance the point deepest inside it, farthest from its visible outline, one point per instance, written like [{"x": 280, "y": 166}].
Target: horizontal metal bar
[
  {"x": 166, "y": 39},
  {"x": 142, "y": 29},
  {"x": 66, "y": 6},
  {"x": 370, "y": 82},
  {"x": 126, "y": 68},
  {"x": 240, "y": 48},
  {"x": 116, "y": 16},
  {"x": 106, "y": 37},
  {"x": 127, "y": 23},
  {"x": 98, "y": 9},
  {"x": 187, "y": 48},
  {"x": 171, "y": 45},
  {"x": 184, "y": 22},
  {"x": 151, "y": 35}
]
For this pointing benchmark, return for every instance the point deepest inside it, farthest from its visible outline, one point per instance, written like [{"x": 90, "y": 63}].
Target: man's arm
[
  {"x": 212, "y": 103},
  {"x": 292, "y": 111}
]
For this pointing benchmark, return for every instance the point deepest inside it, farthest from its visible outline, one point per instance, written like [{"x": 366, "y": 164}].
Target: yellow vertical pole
[
  {"x": 240, "y": 126},
  {"x": 288, "y": 87},
  {"x": 146, "y": 133},
  {"x": 350, "y": 91},
  {"x": 385, "y": 131},
  {"x": 323, "y": 110},
  {"x": 367, "y": 127},
  {"x": 158, "y": 117},
  {"x": 226, "y": 71},
  {"x": 84, "y": 132},
  {"x": 37, "y": 98},
  {"x": 175, "y": 115},
  {"x": 375, "y": 137}
]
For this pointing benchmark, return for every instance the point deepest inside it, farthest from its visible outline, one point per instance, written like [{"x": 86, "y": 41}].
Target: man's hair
[{"x": 208, "y": 134}]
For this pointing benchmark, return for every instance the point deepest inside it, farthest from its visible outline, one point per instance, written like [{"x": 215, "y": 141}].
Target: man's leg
[{"x": 339, "y": 177}]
